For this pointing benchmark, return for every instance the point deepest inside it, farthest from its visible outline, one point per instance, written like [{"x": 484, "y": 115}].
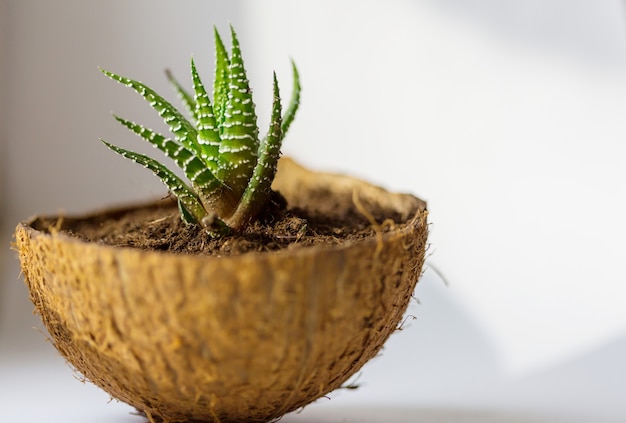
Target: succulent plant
[{"x": 229, "y": 168}]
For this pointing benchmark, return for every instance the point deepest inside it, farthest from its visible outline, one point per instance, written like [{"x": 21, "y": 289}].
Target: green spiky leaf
[
  {"x": 177, "y": 186},
  {"x": 184, "y": 131},
  {"x": 220, "y": 82},
  {"x": 259, "y": 187},
  {"x": 186, "y": 98},
  {"x": 185, "y": 215},
  {"x": 238, "y": 149},
  {"x": 201, "y": 177},
  {"x": 208, "y": 132},
  {"x": 294, "y": 103}
]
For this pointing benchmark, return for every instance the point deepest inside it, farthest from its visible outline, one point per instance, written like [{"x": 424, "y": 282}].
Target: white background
[{"x": 506, "y": 116}]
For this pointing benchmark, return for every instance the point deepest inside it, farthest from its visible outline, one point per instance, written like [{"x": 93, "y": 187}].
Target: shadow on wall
[
  {"x": 590, "y": 384},
  {"x": 440, "y": 355}
]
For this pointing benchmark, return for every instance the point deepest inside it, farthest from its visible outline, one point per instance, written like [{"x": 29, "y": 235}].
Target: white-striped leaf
[
  {"x": 294, "y": 103},
  {"x": 206, "y": 126},
  {"x": 220, "y": 81},
  {"x": 259, "y": 187},
  {"x": 194, "y": 168},
  {"x": 185, "y": 97},
  {"x": 184, "y": 132},
  {"x": 239, "y": 131},
  {"x": 177, "y": 186}
]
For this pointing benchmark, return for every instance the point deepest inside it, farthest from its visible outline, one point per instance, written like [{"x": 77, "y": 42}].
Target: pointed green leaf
[
  {"x": 193, "y": 167},
  {"x": 186, "y": 98},
  {"x": 208, "y": 134},
  {"x": 295, "y": 100},
  {"x": 184, "y": 194},
  {"x": 184, "y": 131},
  {"x": 258, "y": 190},
  {"x": 185, "y": 215},
  {"x": 220, "y": 82},
  {"x": 239, "y": 132}
]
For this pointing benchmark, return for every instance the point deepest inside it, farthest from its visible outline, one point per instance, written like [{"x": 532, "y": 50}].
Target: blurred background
[{"x": 506, "y": 116}]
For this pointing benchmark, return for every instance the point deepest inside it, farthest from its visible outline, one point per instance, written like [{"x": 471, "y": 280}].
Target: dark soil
[{"x": 158, "y": 226}]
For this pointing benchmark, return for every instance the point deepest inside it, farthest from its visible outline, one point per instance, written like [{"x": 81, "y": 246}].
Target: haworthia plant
[{"x": 229, "y": 168}]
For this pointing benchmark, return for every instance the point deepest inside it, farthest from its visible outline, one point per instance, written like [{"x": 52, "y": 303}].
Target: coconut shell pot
[{"x": 242, "y": 338}]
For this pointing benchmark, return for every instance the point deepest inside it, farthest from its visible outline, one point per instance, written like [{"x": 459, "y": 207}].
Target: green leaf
[
  {"x": 295, "y": 99},
  {"x": 184, "y": 131},
  {"x": 239, "y": 134},
  {"x": 193, "y": 167},
  {"x": 186, "y": 98},
  {"x": 258, "y": 190},
  {"x": 185, "y": 215},
  {"x": 208, "y": 134},
  {"x": 220, "y": 83},
  {"x": 177, "y": 186}
]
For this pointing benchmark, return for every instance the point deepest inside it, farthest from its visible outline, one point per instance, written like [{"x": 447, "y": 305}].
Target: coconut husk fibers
[{"x": 243, "y": 337}]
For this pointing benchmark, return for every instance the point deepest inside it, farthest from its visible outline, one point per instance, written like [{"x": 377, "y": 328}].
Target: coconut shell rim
[{"x": 398, "y": 229}]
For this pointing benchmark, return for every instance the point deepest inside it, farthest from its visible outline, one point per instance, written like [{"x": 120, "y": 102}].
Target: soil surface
[{"x": 158, "y": 226}]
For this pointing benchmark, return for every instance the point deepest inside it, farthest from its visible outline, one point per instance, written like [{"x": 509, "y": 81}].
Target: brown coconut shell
[{"x": 244, "y": 338}]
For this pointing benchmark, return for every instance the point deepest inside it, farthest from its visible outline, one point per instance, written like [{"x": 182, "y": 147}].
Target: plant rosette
[{"x": 232, "y": 303}]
